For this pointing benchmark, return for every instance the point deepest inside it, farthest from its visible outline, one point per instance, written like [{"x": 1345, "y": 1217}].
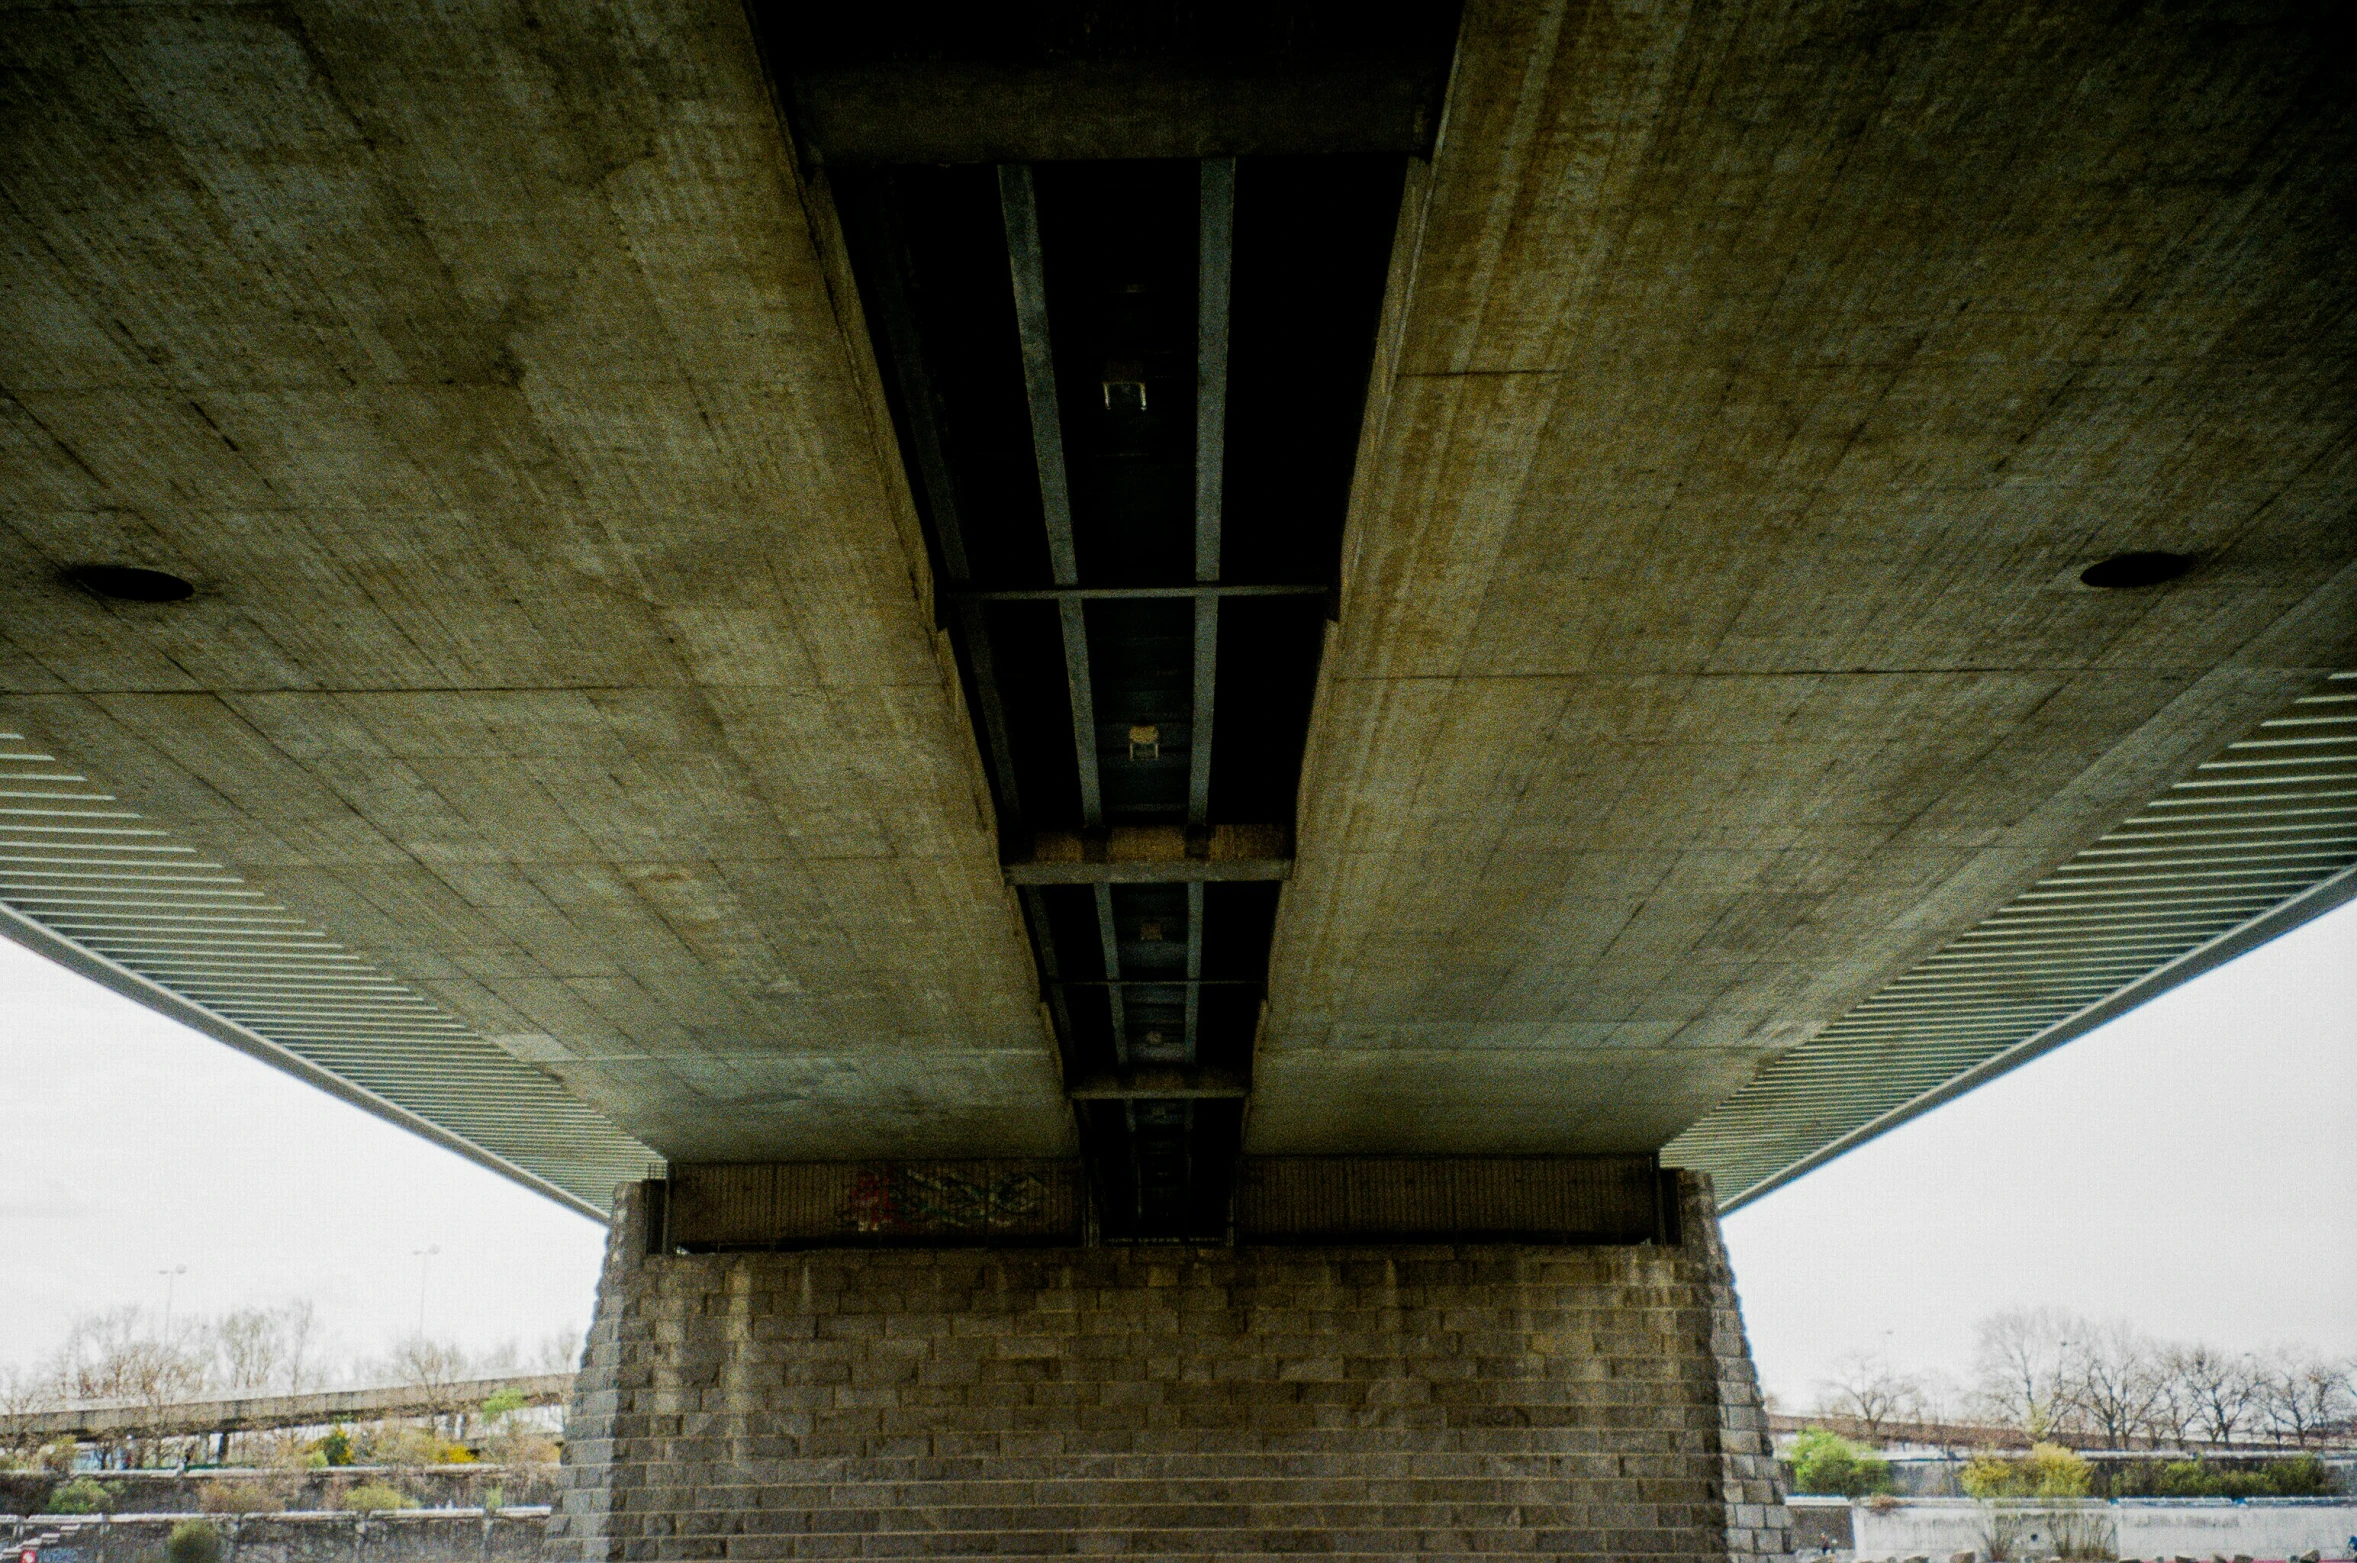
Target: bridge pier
[{"x": 1554, "y": 1399}]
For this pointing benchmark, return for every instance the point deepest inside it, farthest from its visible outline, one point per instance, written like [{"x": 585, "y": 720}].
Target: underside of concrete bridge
[{"x": 1171, "y": 624}]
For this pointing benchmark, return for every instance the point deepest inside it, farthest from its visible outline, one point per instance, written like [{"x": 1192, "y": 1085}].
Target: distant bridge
[{"x": 95, "y": 1420}]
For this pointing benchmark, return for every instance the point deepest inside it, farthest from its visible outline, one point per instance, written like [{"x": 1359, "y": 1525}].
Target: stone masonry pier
[{"x": 1368, "y": 1400}]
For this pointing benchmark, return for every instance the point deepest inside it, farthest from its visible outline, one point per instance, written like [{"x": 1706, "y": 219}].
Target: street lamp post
[{"x": 171, "y": 1279}]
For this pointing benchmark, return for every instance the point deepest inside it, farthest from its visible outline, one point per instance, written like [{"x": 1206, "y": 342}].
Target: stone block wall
[{"x": 1364, "y": 1401}]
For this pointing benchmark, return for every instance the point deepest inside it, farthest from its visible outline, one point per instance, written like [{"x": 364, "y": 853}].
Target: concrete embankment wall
[
  {"x": 2265, "y": 1528},
  {"x": 2273, "y": 1528},
  {"x": 406, "y": 1536},
  {"x": 226, "y": 1489}
]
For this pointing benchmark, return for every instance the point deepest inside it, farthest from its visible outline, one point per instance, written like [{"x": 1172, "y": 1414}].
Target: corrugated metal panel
[
  {"x": 1562, "y": 1199},
  {"x": 2257, "y": 838},
  {"x": 879, "y": 1203},
  {"x": 114, "y": 895}
]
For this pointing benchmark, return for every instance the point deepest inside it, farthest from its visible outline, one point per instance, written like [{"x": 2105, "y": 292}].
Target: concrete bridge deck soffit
[{"x": 652, "y": 580}]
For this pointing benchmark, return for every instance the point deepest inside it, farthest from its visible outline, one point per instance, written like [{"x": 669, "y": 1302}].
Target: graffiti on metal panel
[{"x": 897, "y": 1197}]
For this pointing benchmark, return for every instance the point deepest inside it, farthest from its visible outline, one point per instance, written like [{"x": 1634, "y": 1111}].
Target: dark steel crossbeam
[
  {"x": 922, "y": 408},
  {"x": 1161, "y": 982},
  {"x": 1216, "y": 246},
  {"x": 1202, "y": 593},
  {"x": 1206, "y": 687},
  {"x": 1195, "y": 899},
  {"x": 1215, "y": 249},
  {"x": 1188, "y": 1181},
  {"x": 1019, "y": 206},
  {"x": 1149, "y": 871},
  {"x": 918, "y": 110},
  {"x": 1165, "y": 1084},
  {"x": 1168, "y": 1071},
  {"x": 1162, "y": 1160},
  {"x": 1137, "y": 1170},
  {"x": 1110, "y": 937},
  {"x": 1084, "y": 713}
]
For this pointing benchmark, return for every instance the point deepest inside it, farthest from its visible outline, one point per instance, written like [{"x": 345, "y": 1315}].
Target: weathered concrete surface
[
  {"x": 561, "y": 637},
  {"x": 2138, "y": 1528},
  {"x": 1757, "y": 381}
]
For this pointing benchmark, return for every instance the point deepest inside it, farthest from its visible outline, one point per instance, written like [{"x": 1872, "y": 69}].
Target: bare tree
[
  {"x": 267, "y": 1348},
  {"x": 22, "y": 1392},
  {"x": 246, "y": 1348},
  {"x": 436, "y": 1369},
  {"x": 1867, "y": 1390},
  {"x": 2176, "y": 1412},
  {"x": 2301, "y": 1397},
  {"x": 559, "y": 1352},
  {"x": 2021, "y": 1368},
  {"x": 507, "y": 1357},
  {"x": 116, "y": 1356},
  {"x": 26, "y": 1390},
  {"x": 2224, "y": 1389},
  {"x": 2112, "y": 1377},
  {"x": 1943, "y": 1403}
]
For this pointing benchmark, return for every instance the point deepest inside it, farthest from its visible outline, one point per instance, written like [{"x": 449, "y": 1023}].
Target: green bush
[
  {"x": 2047, "y": 1471},
  {"x": 373, "y": 1496},
  {"x": 194, "y": 1541},
  {"x": 240, "y": 1497},
  {"x": 1824, "y": 1462},
  {"x": 2302, "y": 1477},
  {"x": 82, "y": 1495},
  {"x": 335, "y": 1448}
]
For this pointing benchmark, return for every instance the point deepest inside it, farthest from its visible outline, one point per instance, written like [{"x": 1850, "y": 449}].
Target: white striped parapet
[{"x": 106, "y": 891}]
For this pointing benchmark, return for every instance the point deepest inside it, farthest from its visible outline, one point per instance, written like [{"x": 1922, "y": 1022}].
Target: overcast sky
[{"x": 2191, "y": 1168}]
